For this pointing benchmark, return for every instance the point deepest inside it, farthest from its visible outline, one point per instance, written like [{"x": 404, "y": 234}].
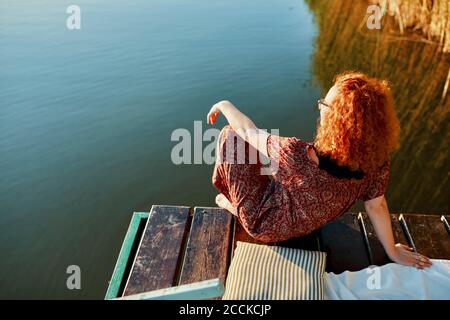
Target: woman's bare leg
[{"x": 223, "y": 202}]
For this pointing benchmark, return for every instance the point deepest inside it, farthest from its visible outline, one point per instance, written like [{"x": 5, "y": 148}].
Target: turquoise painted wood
[
  {"x": 194, "y": 291},
  {"x": 124, "y": 255}
]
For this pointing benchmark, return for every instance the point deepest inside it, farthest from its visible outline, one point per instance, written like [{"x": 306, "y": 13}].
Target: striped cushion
[{"x": 261, "y": 272}]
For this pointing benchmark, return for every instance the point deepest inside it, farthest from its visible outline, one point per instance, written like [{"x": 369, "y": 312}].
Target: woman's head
[{"x": 358, "y": 125}]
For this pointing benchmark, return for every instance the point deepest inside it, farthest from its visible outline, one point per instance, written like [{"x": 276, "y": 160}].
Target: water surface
[{"x": 86, "y": 116}]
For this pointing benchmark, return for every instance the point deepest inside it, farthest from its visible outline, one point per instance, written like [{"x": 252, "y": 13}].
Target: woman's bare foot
[{"x": 223, "y": 202}]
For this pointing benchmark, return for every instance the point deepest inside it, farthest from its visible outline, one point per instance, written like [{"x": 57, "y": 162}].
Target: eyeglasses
[{"x": 322, "y": 102}]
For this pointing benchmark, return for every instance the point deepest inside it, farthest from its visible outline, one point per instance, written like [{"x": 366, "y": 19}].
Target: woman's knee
[
  {"x": 225, "y": 132},
  {"x": 230, "y": 143},
  {"x": 260, "y": 235},
  {"x": 253, "y": 229}
]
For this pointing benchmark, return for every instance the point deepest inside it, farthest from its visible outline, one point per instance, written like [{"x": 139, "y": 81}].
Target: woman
[{"x": 314, "y": 183}]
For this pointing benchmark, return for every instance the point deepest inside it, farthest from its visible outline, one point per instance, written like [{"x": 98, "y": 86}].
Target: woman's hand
[
  {"x": 215, "y": 111},
  {"x": 213, "y": 114},
  {"x": 405, "y": 255}
]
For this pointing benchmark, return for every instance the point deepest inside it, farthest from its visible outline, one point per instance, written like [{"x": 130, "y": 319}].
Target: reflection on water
[
  {"x": 86, "y": 116},
  {"x": 417, "y": 72}
]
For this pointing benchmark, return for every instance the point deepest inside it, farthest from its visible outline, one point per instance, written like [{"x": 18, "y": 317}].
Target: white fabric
[{"x": 391, "y": 281}]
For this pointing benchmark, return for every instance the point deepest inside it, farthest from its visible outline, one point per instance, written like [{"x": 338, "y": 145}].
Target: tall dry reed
[{"x": 431, "y": 17}]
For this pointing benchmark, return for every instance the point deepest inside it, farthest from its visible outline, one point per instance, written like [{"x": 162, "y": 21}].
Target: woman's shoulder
[
  {"x": 287, "y": 141},
  {"x": 381, "y": 171},
  {"x": 286, "y": 144},
  {"x": 377, "y": 182}
]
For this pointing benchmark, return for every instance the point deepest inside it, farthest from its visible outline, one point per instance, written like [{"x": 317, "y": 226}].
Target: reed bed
[
  {"x": 430, "y": 17},
  {"x": 419, "y": 75}
]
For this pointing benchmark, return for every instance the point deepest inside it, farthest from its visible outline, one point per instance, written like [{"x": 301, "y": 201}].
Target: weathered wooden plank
[
  {"x": 429, "y": 235},
  {"x": 125, "y": 255},
  {"x": 444, "y": 220},
  {"x": 343, "y": 242},
  {"x": 399, "y": 234},
  {"x": 155, "y": 266},
  {"x": 202, "y": 290},
  {"x": 239, "y": 234},
  {"x": 405, "y": 228},
  {"x": 377, "y": 253},
  {"x": 208, "y": 248},
  {"x": 366, "y": 236}
]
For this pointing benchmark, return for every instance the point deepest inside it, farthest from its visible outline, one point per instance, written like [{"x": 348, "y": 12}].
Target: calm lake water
[{"x": 86, "y": 116}]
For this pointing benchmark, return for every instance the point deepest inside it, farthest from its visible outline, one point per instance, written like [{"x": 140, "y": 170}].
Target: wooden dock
[{"x": 178, "y": 246}]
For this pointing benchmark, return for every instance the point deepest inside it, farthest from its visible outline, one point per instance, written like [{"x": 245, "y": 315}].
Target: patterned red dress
[{"x": 295, "y": 200}]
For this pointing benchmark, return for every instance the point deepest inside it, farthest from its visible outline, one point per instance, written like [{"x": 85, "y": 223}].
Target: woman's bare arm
[
  {"x": 240, "y": 123},
  {"x": 378, "y": 212}
]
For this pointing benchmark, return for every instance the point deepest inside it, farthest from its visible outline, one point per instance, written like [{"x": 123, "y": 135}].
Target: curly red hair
[{"x": 361, "y": 129}]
